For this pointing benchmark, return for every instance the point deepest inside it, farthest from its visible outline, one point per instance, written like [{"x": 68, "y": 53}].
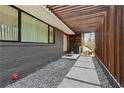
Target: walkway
[{"x": 83, "y": 75}]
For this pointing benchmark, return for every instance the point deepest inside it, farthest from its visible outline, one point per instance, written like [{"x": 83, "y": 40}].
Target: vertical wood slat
[
  {"x": 111, "y": 30},
  {"x": 122, "y": 50},
  {"x": 117, "y": 41},
  {"x": 105, "y": 41}
]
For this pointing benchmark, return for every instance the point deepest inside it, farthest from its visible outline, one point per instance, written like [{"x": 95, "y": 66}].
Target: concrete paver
[
  {"x": 85, "y": 59},
  {"x": 87, "y": 75},
  {"x": 68, "y": 83},
  {"x": 89, "y": 65}
]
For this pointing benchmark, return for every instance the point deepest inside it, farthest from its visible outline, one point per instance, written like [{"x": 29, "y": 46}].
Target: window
[
  {"x": 65, "y": 40},
  {"x": 14, "y": 23},
  {"x": 8, "y": 23},
  {"x": 33, "y": 30},
  {"x": 51, "y": 34}
]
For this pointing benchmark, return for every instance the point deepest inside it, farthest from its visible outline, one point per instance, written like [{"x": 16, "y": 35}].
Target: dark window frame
[{"x": 20, "y": 24}]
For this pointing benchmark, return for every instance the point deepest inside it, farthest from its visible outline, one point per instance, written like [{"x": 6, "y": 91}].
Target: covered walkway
[{"x": 34, "y": 38}]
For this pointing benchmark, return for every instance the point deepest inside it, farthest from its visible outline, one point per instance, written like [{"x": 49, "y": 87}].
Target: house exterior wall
[{"x": 25, "y": 58}]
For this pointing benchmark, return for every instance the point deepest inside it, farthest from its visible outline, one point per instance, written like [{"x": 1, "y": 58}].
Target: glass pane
[
  {"x": 51, "y": 34},
  {"x": 8, "y": 23},
  {"x": 64, "y": 43},
  {"x": 33, "y": 30}
]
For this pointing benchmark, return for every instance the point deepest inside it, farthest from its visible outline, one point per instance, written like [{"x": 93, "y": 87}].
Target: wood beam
[
  {"x": 86, "y": 16},
  {"x": 73, "y": 8},
  {"x": 80, "y": 11}
]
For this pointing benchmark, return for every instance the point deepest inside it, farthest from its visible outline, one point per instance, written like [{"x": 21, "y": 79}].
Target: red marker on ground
[{"x": 14, "y": 76}]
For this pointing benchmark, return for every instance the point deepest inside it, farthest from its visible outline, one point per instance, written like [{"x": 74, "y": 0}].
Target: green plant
[{"x": 90, "y": 48}]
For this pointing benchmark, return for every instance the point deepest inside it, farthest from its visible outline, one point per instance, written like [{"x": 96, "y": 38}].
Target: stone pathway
[{"x": 82, "y": 75}]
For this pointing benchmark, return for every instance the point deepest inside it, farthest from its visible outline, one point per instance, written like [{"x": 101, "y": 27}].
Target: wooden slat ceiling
[{"x": 80, "y": 18}]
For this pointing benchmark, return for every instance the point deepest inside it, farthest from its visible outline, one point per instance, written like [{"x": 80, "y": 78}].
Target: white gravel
[
  {"x": 52, "y": 74},
  {"x": 49, "y": 76},
  {"x": 101, "y": 75}
]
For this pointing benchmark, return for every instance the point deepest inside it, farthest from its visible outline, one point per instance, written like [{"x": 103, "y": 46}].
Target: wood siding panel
[{"x": 110, "y": 42}]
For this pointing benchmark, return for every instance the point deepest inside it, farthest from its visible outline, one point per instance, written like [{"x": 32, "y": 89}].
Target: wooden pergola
[
  {"x": 107, "y": 23},
  {"x": 80, "y": 18}
]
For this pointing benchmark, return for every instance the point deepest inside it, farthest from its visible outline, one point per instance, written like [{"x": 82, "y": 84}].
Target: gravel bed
[
  {"x": 101, "y": 75},
  {"x": 49, "y": 76},
  {"x": 52, "y": 74}
]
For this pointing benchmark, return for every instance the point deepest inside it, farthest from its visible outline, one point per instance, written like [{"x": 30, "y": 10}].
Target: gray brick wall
[{"x": 25, "y": 58}]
